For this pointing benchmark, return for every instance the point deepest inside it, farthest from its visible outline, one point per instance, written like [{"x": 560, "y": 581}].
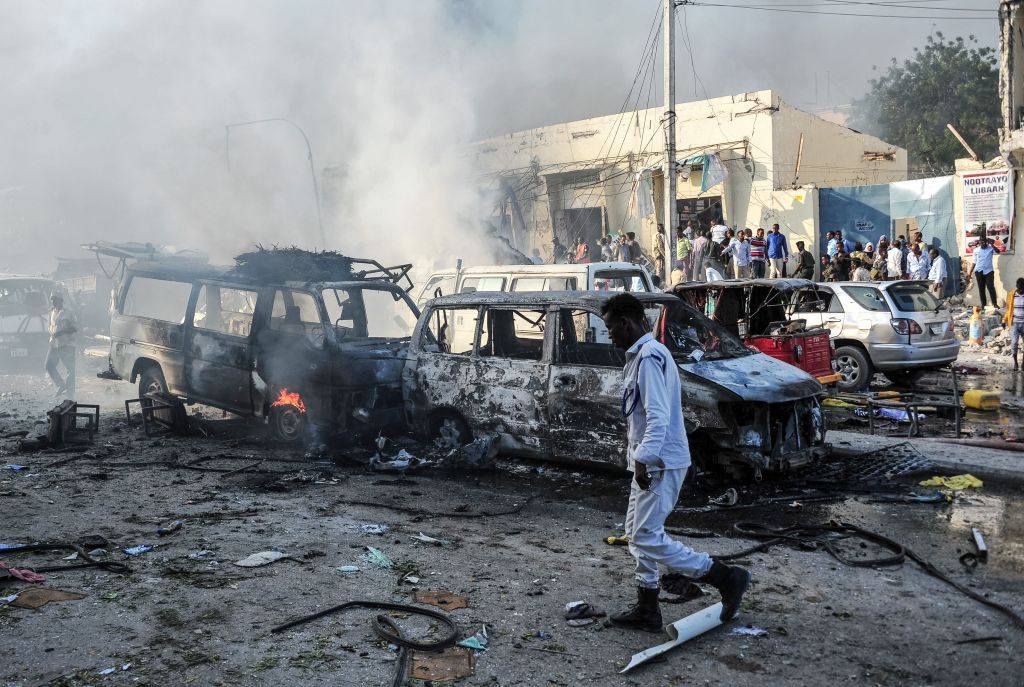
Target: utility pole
[
  {"x": 309, "y": 156},
  {"x": 671, "y": 215}
]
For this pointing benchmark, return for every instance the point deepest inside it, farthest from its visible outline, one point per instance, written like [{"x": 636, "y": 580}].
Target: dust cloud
[{"x": 113, "y": 112}]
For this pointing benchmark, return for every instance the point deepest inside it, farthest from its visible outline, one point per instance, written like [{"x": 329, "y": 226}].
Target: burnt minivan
[
  {"x": 317, "y": 352},
  {"x": 539, "y": 371}
]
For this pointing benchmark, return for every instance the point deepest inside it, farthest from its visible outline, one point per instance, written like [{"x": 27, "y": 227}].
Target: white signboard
[{"x": 987, "y": 209}]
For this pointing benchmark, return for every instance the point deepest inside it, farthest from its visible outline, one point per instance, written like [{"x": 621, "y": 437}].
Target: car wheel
[
  {"x": 904, "y": 377},
  {"x": 151, "y": 381},
  {"x": 855, "y": 368},
  {"x": 287, "y": 423},
  {"x": 450, "y": 430}
]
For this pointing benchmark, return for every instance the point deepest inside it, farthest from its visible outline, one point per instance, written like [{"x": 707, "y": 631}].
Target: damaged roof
[
  {"x": 545, "y": 298},
  {"x": 779, "y": 284}
]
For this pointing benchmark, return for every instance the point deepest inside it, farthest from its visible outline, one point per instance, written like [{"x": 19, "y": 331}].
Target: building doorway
[
  {"x": 582, "y": 223},
  {"x": 701, "y": 210}
]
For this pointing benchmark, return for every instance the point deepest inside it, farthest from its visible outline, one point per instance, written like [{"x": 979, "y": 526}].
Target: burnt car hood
[
  {"x": 758, "y": 378},
  {"x": 377, "y": 362}
]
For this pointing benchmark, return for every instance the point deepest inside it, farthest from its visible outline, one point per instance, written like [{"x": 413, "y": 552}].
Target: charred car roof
[{"x": 225, "y": 274}]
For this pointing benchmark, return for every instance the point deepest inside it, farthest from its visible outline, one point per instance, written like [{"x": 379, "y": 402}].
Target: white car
[{"x": 897, "y": 328}]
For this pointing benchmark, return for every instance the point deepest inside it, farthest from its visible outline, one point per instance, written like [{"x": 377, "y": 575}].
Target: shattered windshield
[
  {"x": 690, "y": 335},
  {"x": 369, "y": 312}
]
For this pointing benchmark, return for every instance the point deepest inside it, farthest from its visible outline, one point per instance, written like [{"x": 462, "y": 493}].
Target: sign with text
[{"x": 987, "y": 209}]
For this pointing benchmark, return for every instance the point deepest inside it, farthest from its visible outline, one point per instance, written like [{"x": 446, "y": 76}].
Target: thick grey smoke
[{"x": 112, "y": 112}]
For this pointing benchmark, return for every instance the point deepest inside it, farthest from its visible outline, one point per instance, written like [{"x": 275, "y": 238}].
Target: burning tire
[{"x": 288, "y": 417}]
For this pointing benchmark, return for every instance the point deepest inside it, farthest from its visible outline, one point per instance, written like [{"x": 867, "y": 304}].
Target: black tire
[
  {"x": 151, "y": 381},
  {"x": 450, "y": 429},
  {"x": 855, "y": 368},
  {"x": 288, "y": 424},
  {"x": 904, "y": 378}
]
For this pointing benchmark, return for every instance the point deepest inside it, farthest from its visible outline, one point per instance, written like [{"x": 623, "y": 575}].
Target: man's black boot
[
  {"x": 644, "y": 615},
  {"x": 730, "y": 582}
]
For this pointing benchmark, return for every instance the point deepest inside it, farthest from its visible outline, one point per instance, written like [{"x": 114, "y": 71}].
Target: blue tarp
[
  {"x": 860, "y": 212},
  {"x": 931, "y": 202}
]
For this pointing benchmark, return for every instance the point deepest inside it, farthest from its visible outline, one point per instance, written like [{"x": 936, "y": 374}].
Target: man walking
[
  {"x": 739, "y": 249},
  {"x": 937, "y": 273},
  {"x": 804, "y": 262},
  {"x": 684, "y": 249},
  {"x": 917, "y": 266},
  {"x": 758, "y": 254},
  {"x": 701, "y": 245},
  {"x": 984, "y": 272},
  {"x": 658, "y": 456},
  {"x": 832, "y": 245},
  {"x": 62, "y": 347},
  {"x": 778, "y": 253},
  {"x": 1014, "y": 318}
]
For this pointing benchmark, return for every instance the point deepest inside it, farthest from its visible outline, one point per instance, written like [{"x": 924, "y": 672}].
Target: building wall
[{"x": 756, "y": 135}]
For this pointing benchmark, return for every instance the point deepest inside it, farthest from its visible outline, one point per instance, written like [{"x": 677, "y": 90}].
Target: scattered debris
[
  {"x": 430, "y": 540},
  {"x": 979, "y": 542},
  {"x": 23, "y": 574},
  {"x": 260, "y": 559},
  {"x": 576, "y": 610},
  {"x": 4, "y": 600},
  {"x": 36, "y": 597},
  {"x": 749, "y": 630},
  {"x": 347, "y": 569},
  {"x": 730, "y": 498},
  {"x": 136, "y": 550},
  {"x": 478, "y": 642},
  {"x": 378, "y": 558},
  {"x": 373, "y": 528},
  {"x": 16, "y": 468},
  {"x": 170, "y": 528},
  {"x": 956, "y": 482},
  {"x": 401, "y": 463},
  {"x": 617, "y": 541},
  {"x": 453, "y": 663},
  {"x": 441, "y": 599},
  {"x": 681, "y": 631}
]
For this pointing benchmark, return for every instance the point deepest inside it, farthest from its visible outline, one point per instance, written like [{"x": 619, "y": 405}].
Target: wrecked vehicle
[
  {"x": 24, "y": 322},
  {"x": 761, "y": 313},
  {"x": 539, "y": 371},
  {"x": 311, "y": 341}
]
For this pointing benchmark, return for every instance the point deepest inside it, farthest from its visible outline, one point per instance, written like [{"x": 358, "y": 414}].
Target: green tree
[{"x": 947, "y": 81}]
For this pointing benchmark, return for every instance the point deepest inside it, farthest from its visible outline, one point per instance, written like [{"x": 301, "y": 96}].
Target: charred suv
[
  {"x": 308, "y": 343},
  {"x": 539, "y": 371}
]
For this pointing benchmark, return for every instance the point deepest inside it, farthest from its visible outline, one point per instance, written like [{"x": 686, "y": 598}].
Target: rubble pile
[{"x": 996, "y": 337}]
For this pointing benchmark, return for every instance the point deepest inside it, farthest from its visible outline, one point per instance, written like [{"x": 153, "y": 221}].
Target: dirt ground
[{"x": 520, "y": 543}]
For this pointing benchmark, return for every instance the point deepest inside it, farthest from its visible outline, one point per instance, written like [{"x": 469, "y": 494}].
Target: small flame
[{"x": 289, "y": 398}]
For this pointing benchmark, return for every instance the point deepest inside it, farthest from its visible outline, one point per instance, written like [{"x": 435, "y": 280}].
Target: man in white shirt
[
  {"x": 62, "y": 347},
  {"x": 739, "y": 249},
  {"x": 718, "y": 230},
  {"x": 917, "y": 264},
  {"x": 895, "y": 261},
  {"x": 984, "y": 272},
  {"x": 937, "y": 273},
  {"x": 658, "y": 455}
]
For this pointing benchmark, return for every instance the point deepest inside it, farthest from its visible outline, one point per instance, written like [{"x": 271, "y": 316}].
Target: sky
[{"x": 114, "y": 113}]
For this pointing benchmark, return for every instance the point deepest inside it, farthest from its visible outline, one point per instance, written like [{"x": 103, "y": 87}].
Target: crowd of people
[{"x": 715, "y": 251}]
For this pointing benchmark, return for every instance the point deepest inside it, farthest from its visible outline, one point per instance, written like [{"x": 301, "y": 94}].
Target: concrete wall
[{"x": 755, "y": 133}]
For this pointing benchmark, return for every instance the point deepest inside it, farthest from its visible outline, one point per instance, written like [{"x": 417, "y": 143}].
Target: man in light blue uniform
[{"x": 658, "y": 455}]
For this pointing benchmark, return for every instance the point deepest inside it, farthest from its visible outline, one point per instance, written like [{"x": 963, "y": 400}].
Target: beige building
[{"x": 579, "y": 179}]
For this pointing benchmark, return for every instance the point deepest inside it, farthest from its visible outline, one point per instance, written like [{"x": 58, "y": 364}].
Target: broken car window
[
  {"x": 817, "y": 300},
  {"x": 158, "y": 299},
  {"x": 224, "y": 310},
  {"x": 619, "y": 280},
  {"x": 368, "y": 312},
  {"x": 577, "y": 343},
  {"x": 517, "y": 334},
  {"x": 690, "y": 335},
  {"x": 913, "y": 297},
  {"x": 295, "y": 312},
  {"x": 867, "y": 297},
  {"x": 450, "y": 330}
]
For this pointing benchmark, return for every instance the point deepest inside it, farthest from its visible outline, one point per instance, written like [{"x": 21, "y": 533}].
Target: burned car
[
  {"x": 24, "y": 322},
  {"x": 322, "y": 353},
  {"x": 539, "y": 371}
]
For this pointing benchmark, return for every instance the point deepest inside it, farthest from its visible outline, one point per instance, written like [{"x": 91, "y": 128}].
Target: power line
[{"x": 764, "y": 8}]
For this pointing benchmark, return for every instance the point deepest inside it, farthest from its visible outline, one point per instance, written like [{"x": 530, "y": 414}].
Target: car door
[
  {"x": 291, "y": 349},
  {"x": 585, "y": 419},
  {"x": 509, "y": 376},
  {"x": 218, "y": 363}
]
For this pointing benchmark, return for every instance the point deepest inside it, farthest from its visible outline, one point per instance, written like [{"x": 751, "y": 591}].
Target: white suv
[{"x": 897, "y": 328}]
